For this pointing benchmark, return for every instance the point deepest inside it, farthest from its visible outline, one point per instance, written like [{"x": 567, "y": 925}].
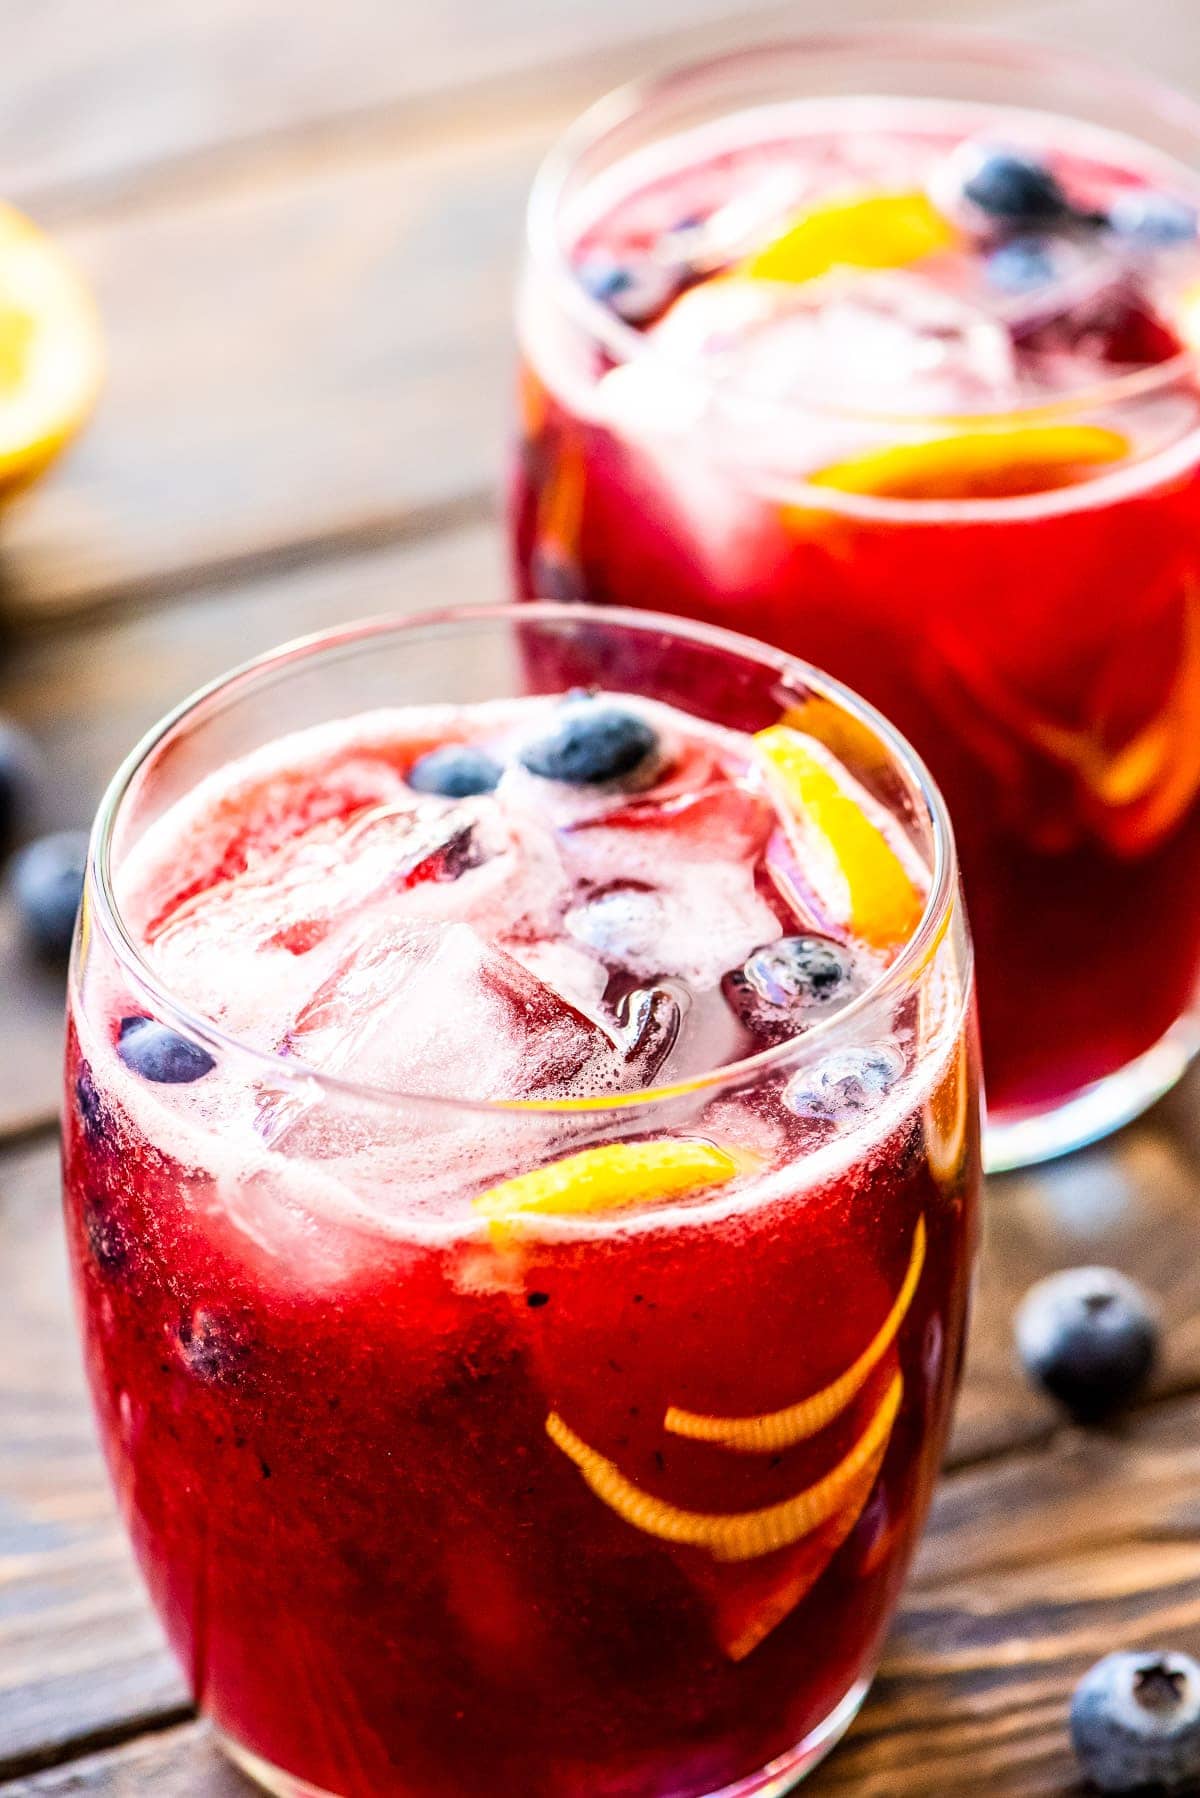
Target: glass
[
  {"x": 433, "y": 1507},
  {"x": 1040, "y": 648}
]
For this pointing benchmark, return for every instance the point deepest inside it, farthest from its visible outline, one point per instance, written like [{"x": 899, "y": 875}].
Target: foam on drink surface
[{"x": 542, "y": 942}]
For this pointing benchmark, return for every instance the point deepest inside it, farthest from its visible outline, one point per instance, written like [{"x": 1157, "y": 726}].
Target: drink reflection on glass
[
  {"x": 883, "y": 350},
  {"x": 521, "y": 1169}
]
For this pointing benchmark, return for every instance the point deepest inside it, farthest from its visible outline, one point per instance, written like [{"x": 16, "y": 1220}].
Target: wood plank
[
  {"x": 317, "y": 343},
  {"x": 1031, "y": 1571},
  {"x": 96, "y": 110},
  {"x": 325, "y": 353}
]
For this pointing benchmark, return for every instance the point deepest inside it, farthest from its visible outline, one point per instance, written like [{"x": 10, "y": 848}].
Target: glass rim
[
  {"x": 625, "y": 344},
  {"x": 102, "y": 906}
]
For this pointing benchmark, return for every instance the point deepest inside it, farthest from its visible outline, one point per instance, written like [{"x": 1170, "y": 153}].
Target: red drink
[
  {"x": 809, "y": 367},
  {"x": 561, "y": 1448}
]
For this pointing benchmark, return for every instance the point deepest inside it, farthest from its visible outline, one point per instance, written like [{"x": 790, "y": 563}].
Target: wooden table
[{"x": 301, "y": 222}]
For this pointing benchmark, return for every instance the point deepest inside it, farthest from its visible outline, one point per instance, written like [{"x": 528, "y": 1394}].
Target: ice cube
[
  {"x": 234, "y": 949},
  {"x": 769, "y": 375},
  {"x": 435, "y": 1009},
  {"x": 699, "y": 920},
  {"x": 651, "y": 1019},
  {"x": 878, "y": 340}
]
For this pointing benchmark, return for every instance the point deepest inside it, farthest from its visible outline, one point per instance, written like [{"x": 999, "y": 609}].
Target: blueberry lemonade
[
  {"x": 521, "y": 1168},
  {"x": 870, "y": 350}
]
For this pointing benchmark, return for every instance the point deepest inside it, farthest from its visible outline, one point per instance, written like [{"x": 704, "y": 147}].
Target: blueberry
[
  {"x": 107, "y": 1237},
  {"x": 159, "y": 1054},
  {"x": 216, "y": 1346},
  {"x": 93, "y": 1112},
  {"x": 1021, "y": 265},
  {"x": 1135, "y": 1722},
  {"x": 1088, "y": 1337},
  {"x": 456, "y": 771},
  {"x": 591, "y": 742},
  {"x": 782, "y": 980},
  {"x": 1016, "y": 190},
  {"x": 555, "y": 576},
  {"x": 637, "y": 291},
  {"x": 19, "y": 763},
  {"x": 845, "y": 1084},
  {"x": 46, "y": 881},
  {"x": 1153, "y": 218}
]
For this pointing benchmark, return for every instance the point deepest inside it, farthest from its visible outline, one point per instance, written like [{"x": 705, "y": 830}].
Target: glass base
[
  {"x": 1095, "y": 1112},
  {"x": 769, "y": 1782}
]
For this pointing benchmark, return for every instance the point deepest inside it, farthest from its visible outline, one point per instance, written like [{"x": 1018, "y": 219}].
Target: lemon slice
[
  {"x": 999, "y": 464},
  {"x": 776, "y": 1430},
  {"x": 845, "y": 853},
  {"x": 610, "y": 1178},
  {"x": 50, "y": 351},
  {"x": 735, "y": 1535},
  {"x": 872, "y": 231}
]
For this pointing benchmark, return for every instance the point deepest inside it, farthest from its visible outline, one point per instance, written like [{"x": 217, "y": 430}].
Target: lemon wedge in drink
[
  {"x": 991, "y": 464},
  {"x": 610, "y": 1178},
  {"x": 51, "y": 358},
  {"x": 845, "y": 852},
  {"x": 869, "y": 231}
]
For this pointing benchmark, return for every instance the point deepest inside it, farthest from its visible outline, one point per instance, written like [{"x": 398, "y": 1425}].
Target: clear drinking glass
[
  {"x": 430, "y": 1503},
  {"x": 1032, "y": 626}
]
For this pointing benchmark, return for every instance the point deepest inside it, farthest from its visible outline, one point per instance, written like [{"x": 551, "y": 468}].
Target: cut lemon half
[
  {"x": 844, "y": 850},
  {"x": 51, "y": 359},
  {"x": 999, "y": 464},
  {"x": 610, "y": 1178},
  {"x": 870, "y": 231}
]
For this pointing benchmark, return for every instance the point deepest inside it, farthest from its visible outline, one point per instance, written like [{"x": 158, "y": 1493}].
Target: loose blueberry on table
[
  {"x": 1135, "y": 1723},
  {"x": 18, "y": 781},
  {"x": 1089, "y": 1338},
  {"x": 46, "y": 882}
]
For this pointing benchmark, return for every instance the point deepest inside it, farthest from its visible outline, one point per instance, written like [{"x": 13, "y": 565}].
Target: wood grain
[
  {"x": 313, "y": 344},
  {"x": 101, "y": 110},
  {"x": 302, "y": 224},
  {"x": 324, "y": 354}
]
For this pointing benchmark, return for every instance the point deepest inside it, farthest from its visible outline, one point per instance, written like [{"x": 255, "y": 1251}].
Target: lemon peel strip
[
  {"x": 775, "y": 1430},
  {"x": 730, "y": 1536}
]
